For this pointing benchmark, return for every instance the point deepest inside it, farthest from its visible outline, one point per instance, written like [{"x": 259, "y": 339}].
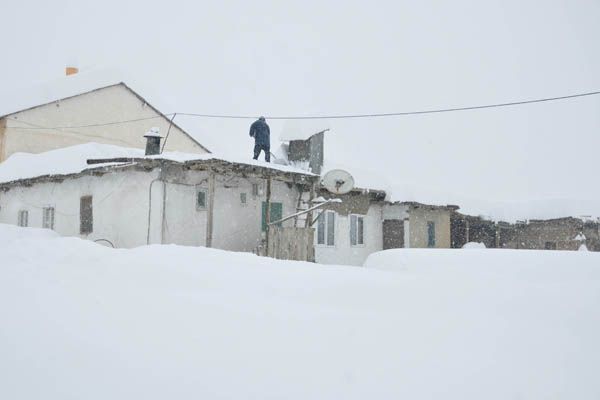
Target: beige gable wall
[
  {"x": 2, "y": 136},
  {"x": 418, "y": 227},
  {"x": 114, "y": 103}
]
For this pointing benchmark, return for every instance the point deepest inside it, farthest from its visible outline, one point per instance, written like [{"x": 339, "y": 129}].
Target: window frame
[
  {"x": 44, "y": 217},
  {"x": 278, "y": 214},
  {"x": 20, "y": 215},
  {"x": 83, "y": 229},
  {"x": 324, "y": 214},
  {"x": 431, "y": 242},
  {"x": 354, "y": 223},
  {"x": 200, "y": 189}
]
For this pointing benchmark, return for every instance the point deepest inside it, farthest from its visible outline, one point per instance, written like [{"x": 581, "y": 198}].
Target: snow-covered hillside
[{"x": 82, "y": 321}]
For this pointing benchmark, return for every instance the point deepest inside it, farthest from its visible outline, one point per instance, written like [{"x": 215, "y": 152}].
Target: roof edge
[{"x": 121, "y": 83}]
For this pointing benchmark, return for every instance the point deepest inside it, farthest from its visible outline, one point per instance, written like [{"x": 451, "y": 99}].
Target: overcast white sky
[{"x": 319, "y": 57}]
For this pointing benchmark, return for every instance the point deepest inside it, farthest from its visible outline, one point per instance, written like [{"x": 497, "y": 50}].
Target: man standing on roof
[{"x": 261, "y": 133}]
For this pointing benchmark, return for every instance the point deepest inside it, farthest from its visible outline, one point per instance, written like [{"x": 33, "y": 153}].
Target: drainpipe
[
  {"x": 150, "y": 208},
  {"x": 164, "y": 204},
  {"x": 164, "y": 213},
  {"x": 268, "y": 214}
]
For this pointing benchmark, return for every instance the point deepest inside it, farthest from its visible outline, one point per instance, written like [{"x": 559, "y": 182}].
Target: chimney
[
  {"x": 71, "y": 71},
  {"x": 153, "y": 141},
  {"x": 308, "y": 151}
]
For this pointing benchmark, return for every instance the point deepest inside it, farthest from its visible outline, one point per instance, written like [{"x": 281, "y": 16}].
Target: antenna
[{"x": 338, "y": 181}]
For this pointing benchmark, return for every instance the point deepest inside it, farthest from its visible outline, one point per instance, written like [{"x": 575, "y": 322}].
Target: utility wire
[
  {"x": 341, "y": 116},
  {"x": 89, "y": 125},
  {"x": 63, "y": 132},
  {"x": 396, "y": 114}
]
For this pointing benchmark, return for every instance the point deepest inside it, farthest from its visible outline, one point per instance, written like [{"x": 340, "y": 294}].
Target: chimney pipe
[
  {"x": 153, "y": 141},
  {"x": 71, "y": 71}
]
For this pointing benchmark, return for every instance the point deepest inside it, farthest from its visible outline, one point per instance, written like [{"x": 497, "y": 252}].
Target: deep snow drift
[{"x": 82, "y": 321}]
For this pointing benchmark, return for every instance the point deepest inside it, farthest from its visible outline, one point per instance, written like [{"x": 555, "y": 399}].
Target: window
[
  {"x": 276, "y": 213},
  {"x": 200, "y": 199},
  {"x": 23, "y": 218},
  {"x": 430, "y": 234},
  {"x": 357, "y": 230},
  {"x": 254, "y": 189},
  {"x": 48, "y": 218},
  {"x": 326, "y": 228},
  {"x": 86, "y": 215},
  {"x": 243, "y": 199}
]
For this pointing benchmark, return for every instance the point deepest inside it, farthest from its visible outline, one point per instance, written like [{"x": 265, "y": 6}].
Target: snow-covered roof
[{"x": 73, "y": 159}]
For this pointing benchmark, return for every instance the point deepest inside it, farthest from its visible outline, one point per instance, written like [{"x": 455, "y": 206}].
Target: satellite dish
[{"x": 338, "y": 181}]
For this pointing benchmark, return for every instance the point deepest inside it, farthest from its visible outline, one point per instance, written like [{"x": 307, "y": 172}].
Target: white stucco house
[
  {"x": 126, "y": 199},
  {"x": 120, "y": 197},
  {"x": 73, "y": 162}
]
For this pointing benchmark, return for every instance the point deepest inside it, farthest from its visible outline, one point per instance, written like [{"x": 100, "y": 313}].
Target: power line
[
  {"x": 89, "y": 125},
  {"x": 342, "y": 116},
  {"x": 63, "y": 132},
  {"x": 396, "y": 114}
]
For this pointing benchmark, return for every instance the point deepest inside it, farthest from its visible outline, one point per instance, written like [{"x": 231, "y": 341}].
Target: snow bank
[
  {"x": 511, "y": 263},
  {"x": 73, "y": 159},
  {"x": 80, "y": 320}
]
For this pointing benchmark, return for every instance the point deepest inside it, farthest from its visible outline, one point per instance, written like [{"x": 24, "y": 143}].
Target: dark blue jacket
[{"x": 261, "y": 133}]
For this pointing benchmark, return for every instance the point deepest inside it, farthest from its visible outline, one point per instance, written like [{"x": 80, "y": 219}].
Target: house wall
[
  {"x": 536, "y": 234},
  {"x": 395, "y": 211},
  {"x": 114, "y": 103},
  {"x": 418, "y": 218},
  {"x": 591, "y": 230},
  {"x": 120, "y": 206},
  {"x": 2, "y": 136},
  {"x": 396, "y": 226},
  {"x": 343, "y": 252},
  {"x": 238, "y": 227},
  {"x": 466, "y": 228}
]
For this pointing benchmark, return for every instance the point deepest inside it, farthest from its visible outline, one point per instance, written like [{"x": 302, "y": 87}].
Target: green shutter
[{"x": 276, "y": 214}]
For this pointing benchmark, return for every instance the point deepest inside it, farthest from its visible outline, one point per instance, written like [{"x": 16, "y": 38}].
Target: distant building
[
  {"x": 365, "y": 223},
  {"x": 553, "y": 234},
  {"x": 113, "y": 114}
]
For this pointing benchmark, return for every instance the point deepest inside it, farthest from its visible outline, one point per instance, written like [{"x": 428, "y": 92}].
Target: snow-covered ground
[{"x": 83, "y": 321}]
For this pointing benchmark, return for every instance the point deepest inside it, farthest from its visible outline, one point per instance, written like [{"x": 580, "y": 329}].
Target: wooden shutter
[{"x": 86, "y": 215}]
